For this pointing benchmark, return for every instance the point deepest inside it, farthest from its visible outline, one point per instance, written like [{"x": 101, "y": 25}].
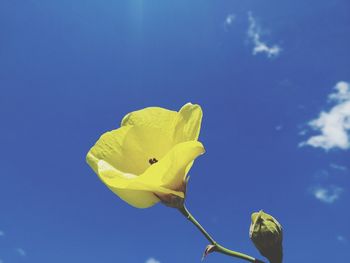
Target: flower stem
[
  {"x": 218, "y": 247},
  {"x": 189, "y": 216}
]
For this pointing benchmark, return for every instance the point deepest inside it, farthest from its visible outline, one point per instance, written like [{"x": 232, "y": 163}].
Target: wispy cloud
[
  {"x": 152, "y": 260},
  {"x": 341, "y": 238},
  {"x": 334, "y": 125},
  {"x": 327, "y": 194},
  {"x": 338, "y": 167},
  {"x": 229, "y": 20},
  {"x": 1, "y": 261},
  {"x": 254, "y": 34},
  {"x": 2, "y": 233},
  {"x": 21, "y": 252},
  {"x": 278, "y": 127}
]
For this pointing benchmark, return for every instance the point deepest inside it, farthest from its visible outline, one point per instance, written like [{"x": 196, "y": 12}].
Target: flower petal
[
  {"x": 113, "y": 178},
  {"x": 152, "y": 117},
  {"x": 188, "y": 123},
  {"x": 143, "y": 143},
  {"x": 130, "y": 188},
  {"x": 130, "y": 148},
  {"x": 138, "y": 199},
  {"x": 153, "y": 132},
  {"x": 109, "y": 147},
  {"x": 170, "y": 172}
]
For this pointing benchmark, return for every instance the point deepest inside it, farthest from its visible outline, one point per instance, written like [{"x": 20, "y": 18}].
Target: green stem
[
  {"x": 189, "y": 216},
  {"x": 218, "y": 247}
]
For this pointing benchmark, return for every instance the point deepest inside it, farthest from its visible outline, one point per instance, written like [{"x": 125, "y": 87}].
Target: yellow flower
[{"x": 147, "y": 159}]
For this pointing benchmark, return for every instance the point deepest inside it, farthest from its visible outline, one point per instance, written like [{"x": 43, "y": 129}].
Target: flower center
[{"x": 152, "y": 161}]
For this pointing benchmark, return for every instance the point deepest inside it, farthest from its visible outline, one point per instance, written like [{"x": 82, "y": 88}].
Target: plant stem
[
  {"x": 218, "y": 247},
  {"x": 189, "y": 216}
]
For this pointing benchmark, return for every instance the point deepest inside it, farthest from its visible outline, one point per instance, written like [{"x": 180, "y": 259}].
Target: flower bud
[{"x": 266, "y": 234}]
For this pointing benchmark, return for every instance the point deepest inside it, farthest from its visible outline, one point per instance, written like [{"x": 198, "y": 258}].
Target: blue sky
[{"x": 271, "y": 76}]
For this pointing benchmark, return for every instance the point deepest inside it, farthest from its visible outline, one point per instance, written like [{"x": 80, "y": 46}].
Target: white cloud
[
  {"x": 21, "y": 252},
  {"x": 152, "y": 260},
  {"x": 230, "y": 19},
  {"x": 343, "y": 92},
  {"x": 327, "y": 194},
  {"x": 334, "y": 125},
  {"x": 1, "y": 261},
  {"x": 2, "y": 233},
  {"x": 254, "y": 34}
]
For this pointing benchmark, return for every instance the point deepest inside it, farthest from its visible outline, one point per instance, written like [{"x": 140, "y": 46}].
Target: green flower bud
[{"x": 266, "y": 234}]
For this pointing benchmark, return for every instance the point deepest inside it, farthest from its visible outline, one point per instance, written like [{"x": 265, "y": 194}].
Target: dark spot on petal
[{"x": 152, "y": 161}]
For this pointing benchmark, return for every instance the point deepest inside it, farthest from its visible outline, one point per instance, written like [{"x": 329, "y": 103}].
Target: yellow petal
[
  {"x": 109, "y": 148},
  {"x": 130, "y": 188},
  {"x": 156, "y": 130},
  {"x": 152, "y": 117},
  {"x": 171, "y": 171},
  {"x": 152, "y": 135},
  {"x": 143, "y": 143},
  {"x": 138, "y": 199},
  {"x": 113, "y": 178},
  {"x": 130, "y": 148},
  {"x": 188, "y": 123}
]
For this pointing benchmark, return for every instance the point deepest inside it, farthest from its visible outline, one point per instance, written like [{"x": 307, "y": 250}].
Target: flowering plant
[{"x": 147, "y": 161}]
